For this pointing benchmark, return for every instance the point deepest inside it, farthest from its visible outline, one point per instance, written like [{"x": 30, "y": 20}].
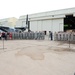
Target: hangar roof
[{"x": 62, "y": 12}]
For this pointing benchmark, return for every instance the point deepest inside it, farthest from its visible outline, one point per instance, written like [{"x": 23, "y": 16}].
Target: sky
[{"x": 17, "y": 8}]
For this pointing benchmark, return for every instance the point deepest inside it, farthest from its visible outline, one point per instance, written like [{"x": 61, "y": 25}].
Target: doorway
[{"x": 69, "y": 22}]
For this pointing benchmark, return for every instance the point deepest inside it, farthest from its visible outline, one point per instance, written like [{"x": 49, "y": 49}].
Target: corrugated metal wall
[{"x": 53, "y": 25}]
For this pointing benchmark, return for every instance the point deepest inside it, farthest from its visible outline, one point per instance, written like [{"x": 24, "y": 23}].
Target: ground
[{"x": 34, "y": 57}]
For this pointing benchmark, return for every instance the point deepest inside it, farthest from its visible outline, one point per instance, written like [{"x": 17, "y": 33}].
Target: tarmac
[{"x": 36, "y": 57}]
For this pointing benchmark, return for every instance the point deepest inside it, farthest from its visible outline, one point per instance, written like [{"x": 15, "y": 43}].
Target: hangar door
[
  {"x": 41, "y": 25},
  {"x": 33, "y": 26},
  {"x": 57, "y": 25},
  {"x": 53, "y": 25}
]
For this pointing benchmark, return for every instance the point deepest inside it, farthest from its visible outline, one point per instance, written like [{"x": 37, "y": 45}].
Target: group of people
[
  {"x": 30, "y": 35},
  {"x": 5, "y": 35}
]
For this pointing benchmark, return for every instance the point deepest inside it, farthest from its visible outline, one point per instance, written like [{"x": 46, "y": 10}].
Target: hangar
[{"x": 58, "y": 20}]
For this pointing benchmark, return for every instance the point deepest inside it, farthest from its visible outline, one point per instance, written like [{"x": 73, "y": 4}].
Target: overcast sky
[{"x": 16, "y": 8}]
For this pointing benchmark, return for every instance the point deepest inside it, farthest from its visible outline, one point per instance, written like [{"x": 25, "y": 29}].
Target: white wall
[
  {"x": 47, "y": 25},
  {"x": 53, "y": 25},
  {"x": 33, "y": 26},
  {"x": 57, "y": 25}
]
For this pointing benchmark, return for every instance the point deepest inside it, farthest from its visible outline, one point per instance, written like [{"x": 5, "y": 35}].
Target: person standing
[
  {"x": 0, "y": 35},
  {"x": 51, "y": 34},
  {"x": 36, "y": 35},
  {"x": 3, "y": 35},
  {"x": 10, "y": 36}
]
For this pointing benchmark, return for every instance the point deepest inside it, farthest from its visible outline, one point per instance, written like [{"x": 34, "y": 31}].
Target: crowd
[
  {"x": 38, "y": 35},
  {"x": 5, "y": 35}
]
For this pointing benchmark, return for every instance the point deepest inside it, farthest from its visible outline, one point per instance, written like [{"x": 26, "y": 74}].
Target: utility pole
[{"x": 27, "y": 23}]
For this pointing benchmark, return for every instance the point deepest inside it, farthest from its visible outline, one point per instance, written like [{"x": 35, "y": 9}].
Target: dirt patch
[
  {"x": 58, "y": 49},
  {"x": 32, "y": 53}
]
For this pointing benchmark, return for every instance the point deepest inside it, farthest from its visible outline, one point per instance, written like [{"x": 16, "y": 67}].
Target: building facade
[
  {"x": 48, "y": 21},
  {"x": 8, "y": 22},
  {"x": 55, "y": 21}
]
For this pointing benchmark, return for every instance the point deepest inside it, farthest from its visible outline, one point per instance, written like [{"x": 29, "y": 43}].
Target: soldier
[
  {"x": 26, "y": 35},
  {"x": 33, "y": 35},
  {"x": 36, "y": 35},
  {"x": 0, "y": 35},
  {"x": 43, "y": 35},
  {"x": 3, "y": 35},
  {"x": 10, "y": 36},
  {"x": 55, "y": 36},
  {"x": 23, "y": 35},
  {"x": 29, "y": 35},
  {"x": 74, "y": 36},
  {"x": 39, "y": 35},
  {"x": 63, "y": 35},
  {"x": 50, "y": 35}
]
